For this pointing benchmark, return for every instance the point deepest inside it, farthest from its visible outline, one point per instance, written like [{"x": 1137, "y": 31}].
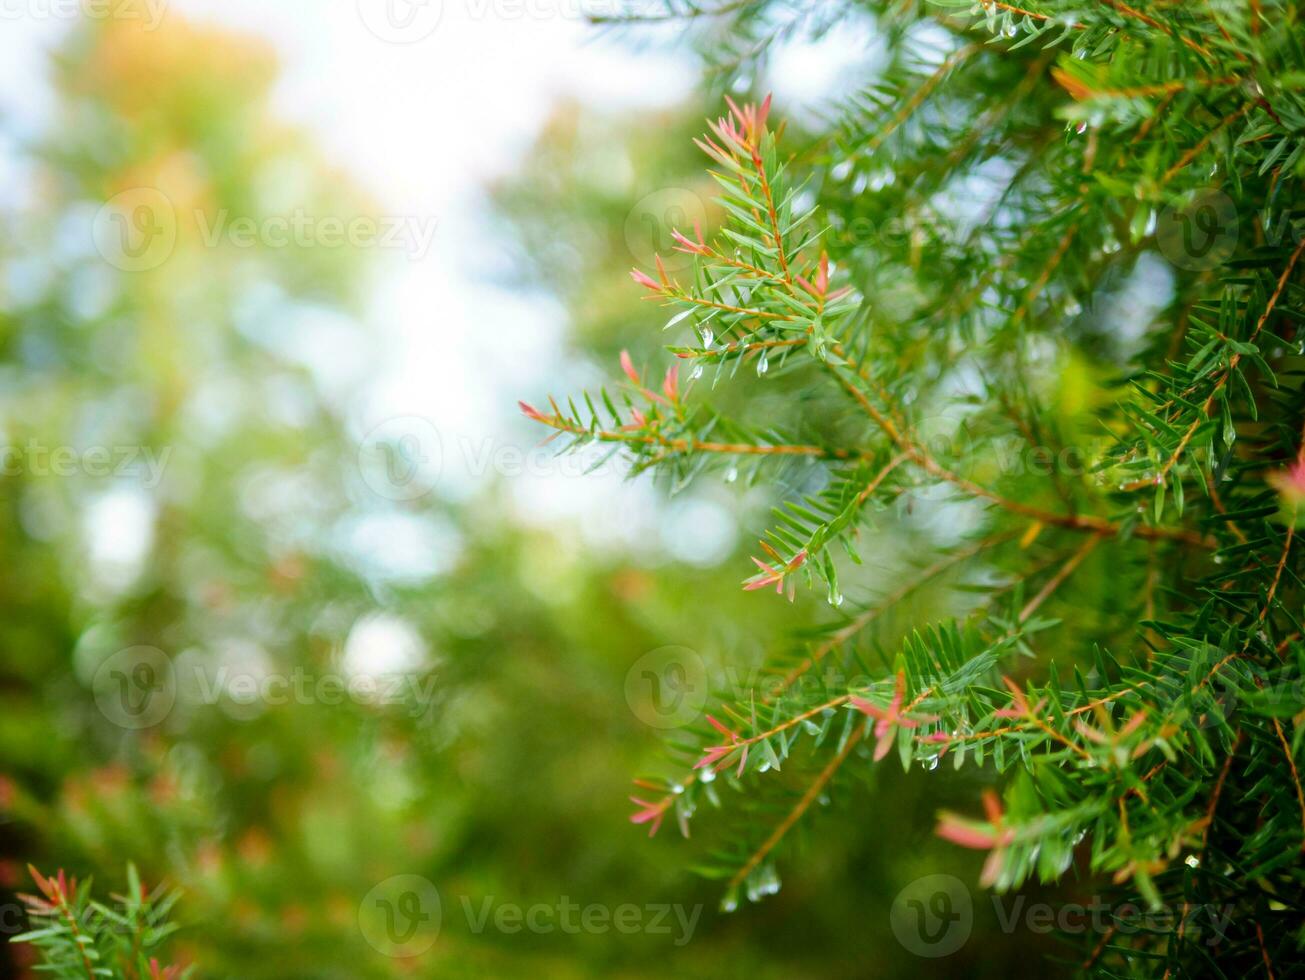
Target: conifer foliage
[
  {"x": 1063, "y": 231},
  {"x": 80, "y": 937}
]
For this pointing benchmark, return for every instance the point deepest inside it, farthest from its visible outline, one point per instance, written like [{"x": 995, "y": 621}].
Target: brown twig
[{"x": 802, "y": 806}]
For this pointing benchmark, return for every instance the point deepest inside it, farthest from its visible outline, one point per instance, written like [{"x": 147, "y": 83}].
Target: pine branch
[{"x": 1035, "y": 154}]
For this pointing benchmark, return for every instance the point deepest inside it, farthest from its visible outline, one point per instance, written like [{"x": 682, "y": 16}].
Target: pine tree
[{"x": 1029, "y": 303}]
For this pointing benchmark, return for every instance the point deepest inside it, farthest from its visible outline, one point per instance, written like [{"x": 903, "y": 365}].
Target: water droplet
[
  {"x": 835, "y": 597},
  {"x": 1010, "y": 30},
  {"x": 1192, "y": 861},
  {"x": 762, "y": 882},
  {"x": 1081, "y": 129},
  {"x": 881, "y": 179},
  {"x": 763, "y": 365},
  {"x": 708, "y": 338},
  {"x": 730, "y": 902},
  {"x": 731, "y": 474},
  {"x": 706, "y": 775},
  {"x": 696, "y": 373}
]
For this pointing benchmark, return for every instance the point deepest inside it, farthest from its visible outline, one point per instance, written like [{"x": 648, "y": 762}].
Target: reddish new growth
[
  {"x": 163, "y": 972},
  {"x": 1019, "y": 703},
  {"x": 59, "y": 902},
  {"x": 716, "y": 755},
  {"x": 59, "y": 892},
  {"x": 1291, "y": 482},
  {"x": 741, "y": 130},
  {"x": 670, "y": 387},
  {"x": 890, "y": 719},
  {"x": 669, "y": 397},
  {"x": 821, "y": 288},
  {"x": 776, "y": 574},
  {"x": 735, "y": 138},
  {"x": 649, "y": 813},
  {"x": 993, "y": 835}
]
